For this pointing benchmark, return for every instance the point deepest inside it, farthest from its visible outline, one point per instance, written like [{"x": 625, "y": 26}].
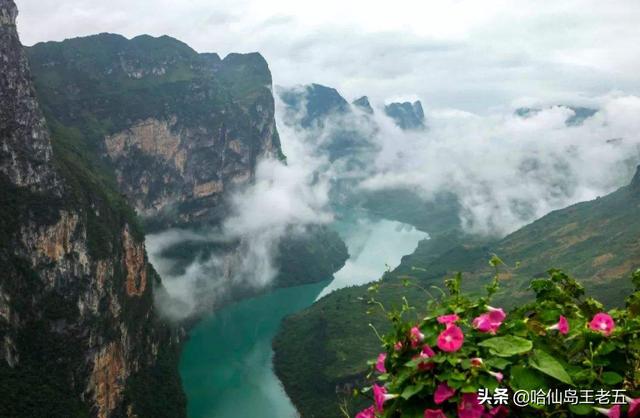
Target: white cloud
[
  {"x": 507, "y": 170},
  {"x": 464, "y": 54}
]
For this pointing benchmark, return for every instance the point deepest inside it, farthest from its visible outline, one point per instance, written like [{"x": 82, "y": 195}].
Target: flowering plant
[{"x": 442, "y": 364}]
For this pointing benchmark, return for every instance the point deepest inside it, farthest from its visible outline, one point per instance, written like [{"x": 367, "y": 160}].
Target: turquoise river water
[{"x": 226, "y": 365}]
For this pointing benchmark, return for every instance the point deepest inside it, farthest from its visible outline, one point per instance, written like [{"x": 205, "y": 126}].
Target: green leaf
[
  {"x": 488, "y": 382},
  {"x": 507, "y": 346},
  {"x": 469, "y": 388},
  {"x": 611, "y": 378},
  {"x": 581, "y": 409},
  {"x": 525, "y": 378},
  {"x": 411, "y": 390},
  {"x": 548, "y": 365},
  {"x": 497, "y": 363},
  {"x": 605, "y": 348}
]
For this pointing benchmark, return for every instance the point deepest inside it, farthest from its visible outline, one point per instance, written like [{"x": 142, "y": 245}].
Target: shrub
[{"x": 465, "y": 350}]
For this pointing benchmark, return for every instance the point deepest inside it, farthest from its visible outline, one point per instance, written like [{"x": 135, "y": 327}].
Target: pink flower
[
  {"x": 602, "y": 322},
  {"x": 483, "y": 324},
  {"x": 613, "y": 412},
  {"x": 450, "y": 339},
  {"x": 434, "y": 413},
  {"x": 427, "y": 351},
  {"x": 489, "y": 321},
  {"x": 496, "y": 315},
  {"x": 500, "y": 411},
  {"x": 367, "y": 413},
  {"x": 477, "y": 362},
  {"x": 634, "y": 407},
  {"x": 416, "y": 337},
  {"x": 398, "y": 346},
  {"x": 499, "y": 376},
  {"x": 380, "y": 396},
  {"x": 382, "y": 357},
  {"x": 442, "y": 393},
  {"x": 469, "y": 407},
  {"x": 448, "y": 319},
  {"x": 562, "y": 326}
]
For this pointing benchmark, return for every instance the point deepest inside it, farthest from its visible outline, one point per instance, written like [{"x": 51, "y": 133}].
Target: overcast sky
[{"x": 465, "y": 54}]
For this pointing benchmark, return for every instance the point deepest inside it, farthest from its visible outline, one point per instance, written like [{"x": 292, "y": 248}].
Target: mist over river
[{"x": 226, "y": 365}]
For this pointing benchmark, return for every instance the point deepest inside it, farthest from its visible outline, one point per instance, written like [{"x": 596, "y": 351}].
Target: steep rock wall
[
  {"x": 79, "y": 336},
  {"x": 175, "y": 129}
]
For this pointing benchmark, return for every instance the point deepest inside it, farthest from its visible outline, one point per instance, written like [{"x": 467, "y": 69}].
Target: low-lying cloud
[
  {"x": 282, "y": 201},
  {"x": 507, "y": 170}
]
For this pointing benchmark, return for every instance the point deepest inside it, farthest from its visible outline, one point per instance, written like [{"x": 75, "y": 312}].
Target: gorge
[{"x": 180, "y": 237}]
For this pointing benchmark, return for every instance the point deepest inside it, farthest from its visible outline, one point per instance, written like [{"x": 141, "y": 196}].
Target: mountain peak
[
  {"x": 406, "y": 115},
  {"x": 317, "y": 101},
  {"x": 363, "y": 104},
  {"x": 8, "y": 12}
]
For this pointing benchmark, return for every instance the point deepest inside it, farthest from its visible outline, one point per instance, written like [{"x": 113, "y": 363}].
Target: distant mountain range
[
  {"x": 313, "y": 103},
  {"x": 580, "y": 114}
]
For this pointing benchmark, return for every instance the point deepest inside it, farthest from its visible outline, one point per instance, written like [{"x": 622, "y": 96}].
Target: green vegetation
[
  {"x": 436, "y": 217},
  {"x": 595, "y": 241},
  {"x": 310, "y": 257},
  {"x": 436, "y": 365},
  {"x": 157, "y": 391},
  {"x": 43, "y": 383}
]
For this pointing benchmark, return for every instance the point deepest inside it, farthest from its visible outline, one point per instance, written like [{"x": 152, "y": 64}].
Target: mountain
[
  {"x": 363, "y": 104},
  {"x": 329, "y": 125},
  {"x": 312, "y": 103},
  {"x": 173, "y": 129},
  {"x": 596, "y": 242},
  {"x": 408, "y": 116},
  {"x": 79, "y": 334},
  {"x": 176, "y": 132},
  {"x": 580, "y": 114},
  {"x": 347, "y": 136}
]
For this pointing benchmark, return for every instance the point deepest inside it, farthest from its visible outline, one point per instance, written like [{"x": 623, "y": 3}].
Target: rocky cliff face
[
  {"x": 174, "y": 128},
  {"x": 26, "y": 152},
  {"x": 79, "y": 336}
]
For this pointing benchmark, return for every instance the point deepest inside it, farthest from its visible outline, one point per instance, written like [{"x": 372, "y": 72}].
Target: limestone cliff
[
  {"x": 79, "y": 336},
  {"x": 173, "y": 128}
]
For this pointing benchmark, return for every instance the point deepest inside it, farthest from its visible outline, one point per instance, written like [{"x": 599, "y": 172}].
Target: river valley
[{"x": 226, "y": 365}]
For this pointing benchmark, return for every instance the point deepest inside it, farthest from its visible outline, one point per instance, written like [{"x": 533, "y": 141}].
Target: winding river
[{"x": 226, "y": 365}]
